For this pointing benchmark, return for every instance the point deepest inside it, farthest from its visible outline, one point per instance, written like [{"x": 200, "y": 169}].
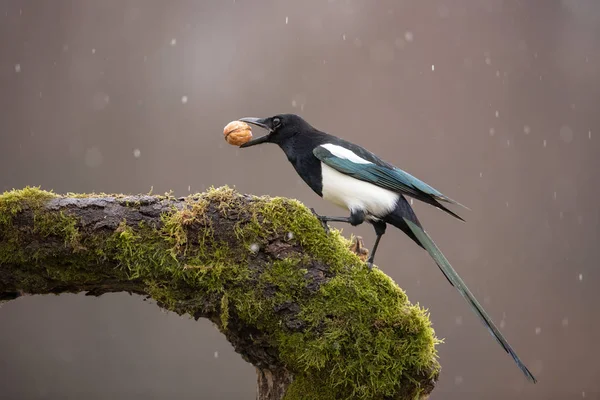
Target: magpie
[{"x": 371, "y": 189}]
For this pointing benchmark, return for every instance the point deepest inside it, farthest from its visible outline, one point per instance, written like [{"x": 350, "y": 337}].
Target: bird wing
[
  {"x": 460, "y": 285},
  {"x": 379, "y": 173}
]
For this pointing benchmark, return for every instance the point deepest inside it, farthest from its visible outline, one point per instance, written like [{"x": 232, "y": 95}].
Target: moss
[
  {"x": 354, "y": 335},
  {"x": 224, "y": 311}
]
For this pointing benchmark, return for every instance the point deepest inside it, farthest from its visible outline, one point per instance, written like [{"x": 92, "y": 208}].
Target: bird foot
[{"x": 323, "y": 223}]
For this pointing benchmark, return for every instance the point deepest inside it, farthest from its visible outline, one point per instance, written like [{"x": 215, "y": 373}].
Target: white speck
[
  {"x": 458, "y": 320},
  {"x": 17, "y": 68},
  {"x": 502, "y": 324},
  {"x": 527, "y": 129},
  {"x": 589, "y": 134},
  {"x": 432, "y": 67},
  {"x": 458, "y": 380},
  {"x": 481, "y": 174},
  {"x": 254, "y": 247},
  {"x": 583, "y": 394},
  {"x": 497, "y": 74},
  {"x": 561, "y": 215},
  {"x": 294, "y": 103},
  {"x": 566, "y": 134},
  {"x": 488, "y": 61},
  {"x": 290, "y": 235},
  {"x": 173, "y": 42},
  {"x": 93, "y": 51},
  {"x": 216, "y": 354},
  {"x": 497, "y": 113},
  {"x": 545, "y": 142},
  {"x": 555, "y": 194},
  {"x": 507, "y": 204},
  {"x": 286, "y": 20},
  {"x": 411, "y": 202},
  {"x": 184, "y": 99},
  {"x": 137, "y": 153},
  {"x": 508, "y": 142},
  {"x": 408, "y": 36},
  {"x": 492, "y": 131},
  {"x": 344, "y": 36},
  {"x": 580, "y": 277},
  {"x": 538, "y": 330},
  {"x": 100, "y": 101},
  {"x": 189, "y": 188},
  {"x": 565, "y": 322}
]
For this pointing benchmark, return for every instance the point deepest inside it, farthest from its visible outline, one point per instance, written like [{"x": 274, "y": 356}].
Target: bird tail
[{"x": 456, "y": 281}]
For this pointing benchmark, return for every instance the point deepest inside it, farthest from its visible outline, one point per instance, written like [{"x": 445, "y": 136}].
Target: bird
[{"x": 371, "y": 189}]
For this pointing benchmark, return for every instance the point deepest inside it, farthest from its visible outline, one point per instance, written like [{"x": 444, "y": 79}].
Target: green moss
[
  {"x": 224, "y": 311},
  {"x": 354, "y": 335}
]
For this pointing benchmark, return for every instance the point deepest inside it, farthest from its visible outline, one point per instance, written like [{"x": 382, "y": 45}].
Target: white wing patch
[
  {"x": 342, "y": 152},
  {"x": 355, "y": 194}
]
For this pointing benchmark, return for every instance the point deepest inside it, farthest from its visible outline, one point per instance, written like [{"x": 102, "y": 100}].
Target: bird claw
[
  {"x": 323, "y": 223},
  {"x": 370, "y": 265}
]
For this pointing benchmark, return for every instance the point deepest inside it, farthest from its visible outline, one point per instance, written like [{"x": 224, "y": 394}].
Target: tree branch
[{"x": 292, "y": 300}]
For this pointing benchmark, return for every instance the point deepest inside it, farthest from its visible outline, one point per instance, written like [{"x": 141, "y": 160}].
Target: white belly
[{"x": 355, "y": 194}]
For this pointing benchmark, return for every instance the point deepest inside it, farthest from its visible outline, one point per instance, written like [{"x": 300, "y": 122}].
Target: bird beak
[{"x": 261, "y": 122}]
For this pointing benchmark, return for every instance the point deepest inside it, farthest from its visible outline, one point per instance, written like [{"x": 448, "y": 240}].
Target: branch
[{"x": 292, "y": 300}]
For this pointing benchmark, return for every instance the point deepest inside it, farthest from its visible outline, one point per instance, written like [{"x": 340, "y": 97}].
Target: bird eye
[{"x": 276, "y": 122}]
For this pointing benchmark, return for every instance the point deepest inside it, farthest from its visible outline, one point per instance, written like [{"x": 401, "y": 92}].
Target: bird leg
[
  {"x": 380, "y": 227},
  {"x": 356, "y": 217}
]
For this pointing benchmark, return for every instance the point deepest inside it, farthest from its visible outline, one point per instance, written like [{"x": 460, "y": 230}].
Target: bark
[{"x": 211, "y": 256}]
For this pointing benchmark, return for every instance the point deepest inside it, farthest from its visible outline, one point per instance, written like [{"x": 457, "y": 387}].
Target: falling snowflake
[
  {"x": 545, "y": 142},
  {"x": 527, "y": 129},
  {"x": 408, "y": 36},
  {"x": 538, "y": 330},
  {"x": 173, "y": 42},
  {"x": 184, "y": 99},
  {"x": 497, "y": 113},
  {"x": 286, "y": 20},
  {"x": 137, "y": 153},
  {"x": 565, "y": 322},
  {"x": 432, "y": 67},
  {"x": 580, "y": 277},
  {"x": 17, "y": 68},
  {"x": 216, "y": 354}
]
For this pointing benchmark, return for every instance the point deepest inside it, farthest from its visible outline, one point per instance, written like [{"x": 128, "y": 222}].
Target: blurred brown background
[{"x": 493, "y": 102}]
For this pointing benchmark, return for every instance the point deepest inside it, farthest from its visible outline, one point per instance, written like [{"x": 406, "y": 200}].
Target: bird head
[{"x": 280, "y": 128}]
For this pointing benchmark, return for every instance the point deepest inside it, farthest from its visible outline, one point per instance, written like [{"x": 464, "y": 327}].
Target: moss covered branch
[{"x": 292, "y": 300}]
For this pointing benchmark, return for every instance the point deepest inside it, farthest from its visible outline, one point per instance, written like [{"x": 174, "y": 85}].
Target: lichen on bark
[{"x": 292, "y": 300}]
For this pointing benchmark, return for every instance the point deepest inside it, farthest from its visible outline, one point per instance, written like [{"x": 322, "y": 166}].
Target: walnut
[{"x": 237, "y": 133}]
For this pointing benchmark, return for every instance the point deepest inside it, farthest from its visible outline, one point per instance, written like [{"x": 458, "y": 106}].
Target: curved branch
[{"x": 292, "y": 300}]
